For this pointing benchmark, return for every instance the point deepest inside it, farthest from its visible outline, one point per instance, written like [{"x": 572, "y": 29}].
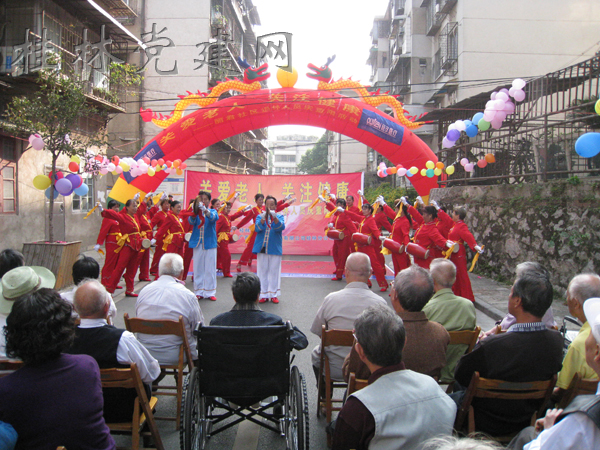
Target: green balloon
[
  {"x": 430, "y": 173},
  {"x": 483, "y": 125}
]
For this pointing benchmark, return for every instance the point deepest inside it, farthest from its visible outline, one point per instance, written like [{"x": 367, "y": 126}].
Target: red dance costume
[
  {"x": 129, "y": 253},
  {"x": 368, "y": 227},
  {"x": 223, "y": 240},
  {"x": 146, "y": 233},
  {"x": 188, "y": 253},
  {"x": 460, "y": 234},
  {"x": 341, "y": 249},
  {"x": 383, "y": 224},
  {"x": 157, "y": 221},
  {"x": 428, "y": 237},
  {"x": 110, "y": 232},
  {"x": 442, "y": 226},
  {"x": 400, "y": 234},
  {"x": 171, "y": 234}
]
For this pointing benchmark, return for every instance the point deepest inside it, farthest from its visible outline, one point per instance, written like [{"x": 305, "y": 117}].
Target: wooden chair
[
  {"x": 166, "y": 327},
  {"x": 143, "y": 408},
  {"x": 326, "y": 384},
  {"x": 578, "y": 386},
  {"x": 499, "y": 389},
  {"x": 355, "y": 384},
  {"x": 8, "y": 366},
  {"x": 464, "y": 337}
]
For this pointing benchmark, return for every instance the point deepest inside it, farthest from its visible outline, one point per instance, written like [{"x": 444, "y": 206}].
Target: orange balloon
[
  {"x": 439, "y": 165},
  {"x": 490, "y": 158},
  {"x": 391, "y": 170}
]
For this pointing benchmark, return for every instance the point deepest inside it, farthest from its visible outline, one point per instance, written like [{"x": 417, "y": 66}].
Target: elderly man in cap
[{"x": 16, "y": 283}]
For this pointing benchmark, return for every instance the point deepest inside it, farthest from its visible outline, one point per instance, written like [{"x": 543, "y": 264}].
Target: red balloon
[
  {"x": 482, "y": 163},
  {"x": 115, "y": 160},
  {"x": 161, "y": 162},
  {"x": 182, "y": 166},
  {"x": 169, "y": 164},
  {"x": 154, "y": 162},
  {"x": 73, "y": 166},
  {"x": 146, "y": 160},
  {"x": 99, "y": 158},
  {"x": 59, "y": 175}
]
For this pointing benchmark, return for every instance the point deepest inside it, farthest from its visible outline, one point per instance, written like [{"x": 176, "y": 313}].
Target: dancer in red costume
[
  {"x": 146, "y": 233},
  {"x": 157, "y": 221},
  {"x": 109, "y": 234},
  {"x": 383, "y": 224},
  {"x": 443, "y": 225},
  {"x": 400, "y": 233},
  {"x": 171, "y": 232},
  {"x": 368, "y": 227},
  {"x": 341, "y": 248},
  {"x": 224, "y": 230},
  {"x": 131, "y": 244},
  {"x": 188, "y": 253},
  {"x": 460, "y": 235}
]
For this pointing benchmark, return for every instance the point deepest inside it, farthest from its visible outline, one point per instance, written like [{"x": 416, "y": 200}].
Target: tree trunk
[{"x": 51, "y": 211}]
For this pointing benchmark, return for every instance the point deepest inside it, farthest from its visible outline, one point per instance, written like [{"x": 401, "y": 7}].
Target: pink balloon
[
  {"x": 504, "y": 90},
  {"x": 518, "y": 83},
  {"x": 488, "y": 115},
  {"x": 519, "y": 95},
  {"x": 469, "y": 167},
  {"x": 401, "y": 172},
  {"x": 502, "y": 96},
  {"x": 499, "y": 105},
  {"x": 511, "y": 91},
  {"x": 38, "y": 143},
  {"x": 500, "y": 115},
  {"x": 104, "y": 171},
  {"x": 493, "y": 95},
  {"x": 509, "y": 107},
  {"x": 118, "y": 169},
  {"x": 489, "y": 104},
  {"x": 464, "y": 162},
  {"x": 496, "y": 124},
  {"x": 446, "y": 143}
]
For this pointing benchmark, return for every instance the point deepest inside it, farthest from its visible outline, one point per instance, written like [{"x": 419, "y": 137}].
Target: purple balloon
[
  {"x": 63, "y": 186},
  {"x": 453, "y": 135},
  {"x": 75, "y": 180}
]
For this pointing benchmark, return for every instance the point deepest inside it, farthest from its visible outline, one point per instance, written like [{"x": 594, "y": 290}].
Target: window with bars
[
  {"x": 8, "y": 177},
  {"x": 285, "y": 158},
  {"x": 83, "y": 203}
]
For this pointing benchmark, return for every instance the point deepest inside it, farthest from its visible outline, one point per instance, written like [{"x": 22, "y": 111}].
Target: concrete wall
[{"x": 556, "y": 224}]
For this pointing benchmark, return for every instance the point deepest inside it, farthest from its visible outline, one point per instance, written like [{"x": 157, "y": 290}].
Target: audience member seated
[
  {"x": 15, "y": 283},
  {"x": 454, "y": 313},
  {"x": 341, "y": 308},
  {"x": 247, "y": 313},
  {"x": 399, "y": 408},
  {"x": 84, "y": 268},
  {"x": 528, "y": 351},
  {"x": 54, "y": 399},
  {"x": 10, "y": 259},
  {"x": 167, "y": 298},
  {"x": 426, "y": 341},
  {"x": 509, "y": 319},
  {"x": 110, "y": 347},
  {"x": 578, "y": 426},
  {"x": 465, "y": 443}
]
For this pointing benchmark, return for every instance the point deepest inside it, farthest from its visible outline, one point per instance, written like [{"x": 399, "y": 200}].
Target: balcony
[
  {"x": 122, "y": 9},
  {"x": 447, "y": 5},
  {"x": 434, "y": 17}
]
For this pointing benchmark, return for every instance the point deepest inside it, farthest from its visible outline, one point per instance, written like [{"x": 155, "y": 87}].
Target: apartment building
[{"x": 286, "y": 152}]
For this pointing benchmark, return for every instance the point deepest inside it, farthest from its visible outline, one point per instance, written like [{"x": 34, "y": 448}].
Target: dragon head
[
  {"x": 252, "y": 74},
  {"x": 322, "y": 73}
]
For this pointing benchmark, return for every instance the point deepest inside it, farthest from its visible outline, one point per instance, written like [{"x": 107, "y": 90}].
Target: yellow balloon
[
  {"x": 287, "y": 79},
  {"x": 151, "y": 172},
  {"x": 450, "y": 170},
  {"x": 437, "y": 172},
  {"x": 423, "y": 172},
  {"x": 430, "y": 164},
  {"x": 41, "y": 182},
  {"x": 124, "y": 166},
  {"x": 413, "y": 170},
  {"x": 75, "y": 159}
]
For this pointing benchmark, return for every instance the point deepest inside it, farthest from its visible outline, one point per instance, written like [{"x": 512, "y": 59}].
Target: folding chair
[
  {"x": 356, "y": 384},
  {"x": 502, "y": 390},
  {"x": 326, "y": 385},
  {"x": 143, "y": 409},
  {"x": 578, "y": 386},
  {"x": 166, "y": 327},
  {"x": 8, "y": 366},
  {"x": 465, "y": 337}
]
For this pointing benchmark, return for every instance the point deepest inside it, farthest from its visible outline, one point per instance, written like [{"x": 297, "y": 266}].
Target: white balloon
[
  {"x": 488, "y": 115},
  {"x": 499, "y": 105},
  {"x": 460, "y": 125},
  {"x": 518, "y": 83},
  {"x": 452, "y": 126},
  {"x": 493, "y": 95},
  {"x": 502, "y": 96},
  {"x": 110, "y": 167}
]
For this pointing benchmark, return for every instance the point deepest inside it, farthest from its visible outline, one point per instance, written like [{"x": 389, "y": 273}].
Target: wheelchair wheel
[
  {"x": 297, "y": 435},
  {"x": 192, "y": 435}
]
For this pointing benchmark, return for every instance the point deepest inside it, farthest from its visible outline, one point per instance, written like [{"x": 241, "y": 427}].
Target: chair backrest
[
  {"x": 160, "y": 327},
  {"x": 8, "y": 366},
  {"x": 578, "y": 386},
  {"x": 244, "y": 364},
  {"x": 356, "y": 384},
  {"x": 466, "y": 337},
  {"x": 344, "y": 338}
]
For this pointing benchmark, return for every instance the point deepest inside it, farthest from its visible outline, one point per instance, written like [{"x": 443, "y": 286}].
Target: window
[
  {"x": 8, "y": 177},
  {"x": 285, "y": 158},
  {"x": 86, "y": 202}
]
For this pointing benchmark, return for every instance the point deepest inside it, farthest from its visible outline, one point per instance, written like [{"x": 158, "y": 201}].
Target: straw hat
[
  {"x": 23, "y": 280},
  {"x": 591, "y": 308}
]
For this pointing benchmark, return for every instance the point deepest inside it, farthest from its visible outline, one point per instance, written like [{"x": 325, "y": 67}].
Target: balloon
[
  {"x": 183, "y": 166},
  {"x": 151, "y": 172},
  {"x": 452, "y": 126},
  {"x": 287, "y": 79},
  {"x": 179, "y": 172},
  {"x": 399, "y": 166},
  {"x": 502, "y": 96},
  {"x": 500, "y": 115},
  {"x": 453, "y": 135},
  {"x": 63, "y": 186},
  {"x": 41, "y": 182},
  {"x": 493, "y": 95},
  {"x": 161, "y": 161},
  {"x": 48, "y": 193},
  {"x": 446, "y": 143},
  {"x": 99, "y": 158},
  {"x": 483, "y": 125},
  {"x": 496, "y": 124},
  {"x": 472, "y": 131},
  {"x": 597, "y": 107},
  {"x": 423, "y": 172},
  {"x": 467, "y": 123},
  {"x": 437, "y": 172},
  {"x": 450, "y": 170},
  {"x": 167, "y": 170},
  {"x": 75, "y": 180},
  {"x": 157, "y": 168},
  {"x": 511, "y": 92},
  {"x": 469, "y": 167},
  {"x": 409, "y": 174},
  {"x": 57, "y": 176},
  {"x": 103, "y": 171},
  {"x": 464, "y": 162},
  {"x": 75, "y": 159},
  {"x": 490, "y": 158},
  {"x": 439, "y": 165},
  {"x": 169, "y": 164},
  {"x": 73, "y": 167},
  {"x": 176, "y": 163},
  {"x": 429, "y": 173},
  {"x": 381, "y": 165},
  {"x": 588, "y": 145},
  {"x": 430, "y": 164},
  {"x": 154, "y": 162},
  {"x": 519, "y": 95},
  {"x": 146, "y": 160},
  {"x": 82, "y": 190},
  {"x": 119, "y": 169},
  {"x": 460, "y": 126},
  {"x": 110, "y": 167},
  {"x": 385, "y": 172},
  {"x": 413, "y": 170},
  {"x": 32, "y": 137},
  {"x": 402, "y": 171},
  {"x": 499, "y": 105},
  {"x": 392, "y": 170},
  {"x": 481, "y": 163},
  {"x": 489, "y": 104},
  {"x": 477, "y": 117},
  {"x": 509, "y": 107},
  {"x": 518, "y": 83},
  {"x": 504, "y": 90},
  {"x": 38, "y": 143},
  {"x": 115, "y": 160},
  {"x": 488, "y": 115},
  {"x": 124, "y": 166}
]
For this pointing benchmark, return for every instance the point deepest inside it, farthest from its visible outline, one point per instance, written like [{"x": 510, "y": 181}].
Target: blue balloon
[
  {"x": 467, "y": 123},
  {"x": 48, "y": 193},
  {"x": 82, "y": 190},
  {"x": 472, "y": 130},
  {"x": 409, "y": 173},
  {"x": 477, "y": 117},
  {"x": 588, "y": 145}
]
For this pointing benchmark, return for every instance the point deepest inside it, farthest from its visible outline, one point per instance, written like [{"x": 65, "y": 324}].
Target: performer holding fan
[{"x": 400, "y": 233}]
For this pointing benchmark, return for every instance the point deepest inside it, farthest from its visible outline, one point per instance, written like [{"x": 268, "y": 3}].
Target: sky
[{"x": 320, "y": 29}]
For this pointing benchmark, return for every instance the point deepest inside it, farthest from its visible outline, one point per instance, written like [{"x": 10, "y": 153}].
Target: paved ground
[{"x": 300, "y": 300}]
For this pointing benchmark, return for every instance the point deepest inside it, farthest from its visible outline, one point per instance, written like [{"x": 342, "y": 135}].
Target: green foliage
[
  {"x": 574, "y": 180},
  {"x": 389, "y": 193},
  {"x": 124, "y": 75},
  {"x": 314, "y": 161}
]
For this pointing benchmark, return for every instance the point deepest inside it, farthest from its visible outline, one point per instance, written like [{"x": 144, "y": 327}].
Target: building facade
[{"x": 286, "y": 152}]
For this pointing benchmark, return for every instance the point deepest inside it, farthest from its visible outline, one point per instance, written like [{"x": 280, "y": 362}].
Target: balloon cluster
[
  {"x": 470, "y": 167},
  {"x": 588, "y": 145},
  {"x": 431, "y": 169},
  {"x": 65, "y": 185},
  {"x": 496, "y": 109},
  {"x": 144, "y": 166}
]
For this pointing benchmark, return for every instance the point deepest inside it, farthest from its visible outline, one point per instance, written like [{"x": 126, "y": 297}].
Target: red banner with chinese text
[{"x": 304, "y": 232}]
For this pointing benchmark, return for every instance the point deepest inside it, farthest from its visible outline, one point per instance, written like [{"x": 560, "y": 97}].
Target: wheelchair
[{"x": 238, "y": 368}]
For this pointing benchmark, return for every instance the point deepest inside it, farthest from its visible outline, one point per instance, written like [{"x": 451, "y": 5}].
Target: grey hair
[
  {"x": 94, "y": 301},
  {"x": 381, "y": 334},
  {"x": 535, "y": 292},
  {"x": 584, "y": 286},
  {"x": 455, "y": 443},
  {"x": 170, "y": 264},
  {"x": 359, "y": 263},
  {"x": 532, "y": 267},
  {"x": 414, "y": 288},
  {"x": 443, "y": 272}
]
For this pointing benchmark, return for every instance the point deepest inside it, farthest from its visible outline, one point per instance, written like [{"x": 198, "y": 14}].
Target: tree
[{"x": 314, "y": 161}]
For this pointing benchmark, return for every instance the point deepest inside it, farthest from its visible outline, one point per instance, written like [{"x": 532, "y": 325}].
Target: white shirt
[
  {"x": 167, "y": 299},
  {"x": 112, "y": 311},
  {"x": 2, "y": 339},
  {"x": 130, "y": 350},
  {"x": 574, "y": 432}
]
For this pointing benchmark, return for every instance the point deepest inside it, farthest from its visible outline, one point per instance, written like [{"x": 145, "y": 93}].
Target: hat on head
[
  {"x": 23, "y": 280},
  {"x": 591, "y": 308}
]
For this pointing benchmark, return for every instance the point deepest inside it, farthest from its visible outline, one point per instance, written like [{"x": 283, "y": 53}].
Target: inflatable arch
[{"x": 356, "y": 117}]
